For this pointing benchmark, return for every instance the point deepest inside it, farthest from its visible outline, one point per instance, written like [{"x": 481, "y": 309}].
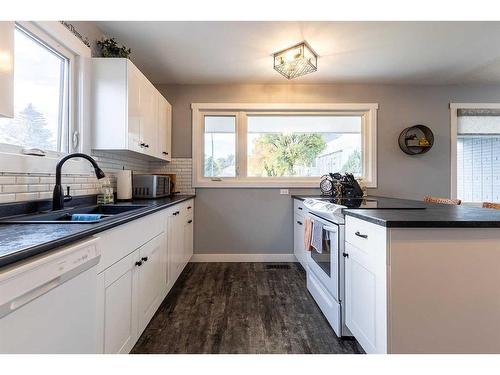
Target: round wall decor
[{"x": 416, "y": 139}]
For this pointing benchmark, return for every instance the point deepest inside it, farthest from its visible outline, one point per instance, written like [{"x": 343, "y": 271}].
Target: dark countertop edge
[
  {"x": 409, "y": 223},
  {"x": 23, "y": 254},
  {"x": 302, "y": 197},
  {"x": 423, "y": 224}
]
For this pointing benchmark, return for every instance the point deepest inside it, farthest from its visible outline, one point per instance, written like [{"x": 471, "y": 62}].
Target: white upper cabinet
[
  {"x": 6, "y": 69},
  {"x": 128, "y": 112},
  {"x": 164, "y": 128}
]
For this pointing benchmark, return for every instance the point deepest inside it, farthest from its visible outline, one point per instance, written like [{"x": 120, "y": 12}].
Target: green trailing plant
[{"x": 109, "y": 48}]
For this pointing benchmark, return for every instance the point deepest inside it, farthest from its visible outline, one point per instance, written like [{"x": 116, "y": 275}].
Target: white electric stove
[{"x": 325, "y": 269}]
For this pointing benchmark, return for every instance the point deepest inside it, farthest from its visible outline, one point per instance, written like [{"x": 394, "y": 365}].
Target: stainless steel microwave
[{"x": 150, "y": 186}]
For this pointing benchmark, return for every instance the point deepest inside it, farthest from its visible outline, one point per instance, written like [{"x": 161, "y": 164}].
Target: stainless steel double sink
[{"x": 65, "y": 216}]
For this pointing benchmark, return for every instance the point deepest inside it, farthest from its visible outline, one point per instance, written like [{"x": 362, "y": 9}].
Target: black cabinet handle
[
  {"x": 361, "y": 235},
  {"x": 300, "y": 208},
  {"x": 142, "y": 144},
  {"x": 345, "y": 255},
  {"x": 299, "y": 222},
  {"x": 189, "y": 207},
  {"x": 146, "y": 145},
  {"x": 145, "y": 259},
  {"x": 176, "y": 213},
  {"x": 190, "y": 221},
  {"x": 165, "y": 153},
  {"x": 139, "y": 263}
]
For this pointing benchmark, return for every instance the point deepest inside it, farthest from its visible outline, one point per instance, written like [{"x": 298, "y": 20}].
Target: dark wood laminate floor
[{"x": 241, "y": 308}]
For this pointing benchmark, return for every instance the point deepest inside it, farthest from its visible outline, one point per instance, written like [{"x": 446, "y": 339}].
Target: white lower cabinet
[
  {"x": 150, "y": 285},
  {"x": 188, "y": 239},
  {"x": 299, "y": 215},
  {"x": 132, "y": 288},
  {"x": 365, "y": 284},
  {"x": 175, "y": 245},
  {"x": 298, "y": 239},
  {"x": 180, "y": 222},
  {"x": 360, "y": 287},
  {"x": 118, "y": 302}
]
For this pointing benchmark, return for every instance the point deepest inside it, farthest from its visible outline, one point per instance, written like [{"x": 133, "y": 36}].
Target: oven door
[{"x": 325, "y": 265}]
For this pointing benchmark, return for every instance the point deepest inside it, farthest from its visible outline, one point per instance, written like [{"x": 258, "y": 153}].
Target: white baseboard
[{"x": 197, "y": 258}]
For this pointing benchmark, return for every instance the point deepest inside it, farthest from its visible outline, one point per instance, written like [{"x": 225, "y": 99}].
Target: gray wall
[{"x": 259, "y": 220}]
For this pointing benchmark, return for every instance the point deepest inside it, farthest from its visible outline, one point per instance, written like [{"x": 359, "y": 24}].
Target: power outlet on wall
[{"x": 284, "y": 191}]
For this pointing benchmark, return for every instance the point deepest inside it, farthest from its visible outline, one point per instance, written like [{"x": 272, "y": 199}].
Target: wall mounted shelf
[{"x": 410, "y": 140}]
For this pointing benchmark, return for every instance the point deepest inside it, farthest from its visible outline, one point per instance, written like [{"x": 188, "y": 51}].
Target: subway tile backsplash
[
  {"x": 182, "y": 167},
  {"x": 16, "y": 187},
  {"x": 23, "y": 187}
]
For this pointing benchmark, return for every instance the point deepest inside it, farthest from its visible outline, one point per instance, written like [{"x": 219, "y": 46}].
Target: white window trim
[
  {"x": 369, "y": 141},
  {"x": 454, "y": 107},
  {"x": 12, "y": 160}
]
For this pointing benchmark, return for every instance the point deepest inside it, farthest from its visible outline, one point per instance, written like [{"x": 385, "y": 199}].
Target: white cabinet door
[
  {"x": 173, "y": 245},
  {"x": 164, "y": 128},
  {"x": 365, "y": 299},
  {"x": 119, "y": 313},
  {"x": 6, "y": 69},
  {"x": 298, "y": 239},
  {"x": 149, "y": 109},
  {"x": 135, "y": 113},
  {"x": 176, "y": 244},
  {"x": 150, "y": 287},
  {"x": 188, "y": 239},
  {"x": 179, "y": 243},
  {"x": 366, "y": 283}
]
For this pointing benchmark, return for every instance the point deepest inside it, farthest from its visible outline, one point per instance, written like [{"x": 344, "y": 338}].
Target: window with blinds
[{"x": 478, "y": 155}]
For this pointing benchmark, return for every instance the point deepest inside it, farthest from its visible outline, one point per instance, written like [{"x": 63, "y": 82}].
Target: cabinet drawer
[
  {"x": 362, "y": 234},
  {"x": 298, "y": 207},
  {"x": 299, "y": 217},
  {"x": 184, "y": 209},
  {"x": 188, "y": 209},
  {"x": 124, "y": 239}
]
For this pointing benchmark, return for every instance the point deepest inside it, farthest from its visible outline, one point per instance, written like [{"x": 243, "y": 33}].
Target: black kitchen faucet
[{"x": 58, "y": 195}]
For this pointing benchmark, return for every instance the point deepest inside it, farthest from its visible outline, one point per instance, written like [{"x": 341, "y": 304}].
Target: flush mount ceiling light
[{"x": 296, "y": 61}]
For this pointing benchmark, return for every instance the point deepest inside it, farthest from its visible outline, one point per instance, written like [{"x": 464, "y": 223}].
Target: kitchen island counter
[{"x": 406, "y": 213}]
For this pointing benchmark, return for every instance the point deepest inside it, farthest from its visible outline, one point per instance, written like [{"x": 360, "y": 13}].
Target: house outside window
[
  {"x": 42, "y": 96},
  {"x": 266, "y": 145},
  {"x": 476, "y": 153}
]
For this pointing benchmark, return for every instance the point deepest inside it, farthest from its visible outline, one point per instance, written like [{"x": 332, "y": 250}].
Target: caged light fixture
[{"x": 296, "y": 61}]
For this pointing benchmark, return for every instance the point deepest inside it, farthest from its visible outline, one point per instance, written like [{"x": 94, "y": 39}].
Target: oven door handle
[{"x": 330, "y": 228}]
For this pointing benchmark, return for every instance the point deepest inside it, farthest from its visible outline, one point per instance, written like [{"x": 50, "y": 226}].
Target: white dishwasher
[{"x": 49, "y": 305}]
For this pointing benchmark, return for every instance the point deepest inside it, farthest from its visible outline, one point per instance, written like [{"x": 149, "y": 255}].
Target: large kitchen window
[
  {"x": 282, "y": 145},
  {"x": 476, "y": 155},
  {"x": 41, "y": 94}
]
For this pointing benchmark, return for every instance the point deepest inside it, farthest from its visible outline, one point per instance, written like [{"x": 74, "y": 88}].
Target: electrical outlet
[{"x": 284, "y": 191}]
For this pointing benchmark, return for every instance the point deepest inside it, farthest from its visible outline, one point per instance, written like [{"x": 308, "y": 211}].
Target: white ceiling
[{"x": 353, "y": 52}]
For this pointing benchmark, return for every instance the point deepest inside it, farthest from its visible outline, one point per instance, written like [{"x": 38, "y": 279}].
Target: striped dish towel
[{"x": 317, "y": 236}]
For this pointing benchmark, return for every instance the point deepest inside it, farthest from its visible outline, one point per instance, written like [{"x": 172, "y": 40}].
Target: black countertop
[
  {"x": 405, "y": 213},
  {"x": 21, "y": 241}
]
